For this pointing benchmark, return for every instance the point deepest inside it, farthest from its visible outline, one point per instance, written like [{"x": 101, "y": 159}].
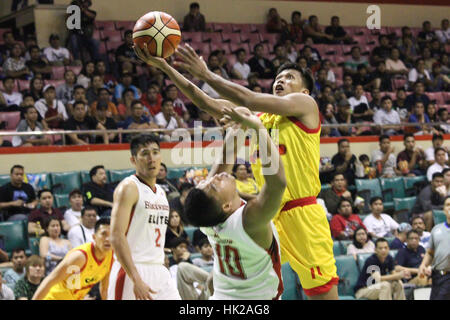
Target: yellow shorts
[{"x": 305, "y": 241}]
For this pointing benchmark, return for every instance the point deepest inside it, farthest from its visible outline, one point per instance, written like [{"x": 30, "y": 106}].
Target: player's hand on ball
[
  {"x": 142, "y": 291},
  {"x": 191, "y": 63},
  {"x": 145, "y": 56},
  {"x": 244, "y": 116}
]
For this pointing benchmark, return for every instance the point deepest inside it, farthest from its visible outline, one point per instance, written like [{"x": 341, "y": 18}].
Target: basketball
[{"x": 159, "y": 31}]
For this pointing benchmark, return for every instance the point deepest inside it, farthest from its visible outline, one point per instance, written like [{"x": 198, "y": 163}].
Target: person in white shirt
[
  {"x": 206, "y": 88},
  {"x": 386, "y": 115},
  {"x": 443, "y": 34},
  {"x": 358, "y": 97},
  {"x": 11, "y": 98},
  {"x": 73, "y": 215},
  {"x": 5, "y": 292},
  {"x": 241, "y": 69},
  {"x": 439, "y": 165},
  {"x": 418, "y": 73},
  {"x": 437, "y": 141},
  {"x": 384, "y": 158},
  {"x": 56, "y": 55},
  {"x": 379, "y": 224},
  {"x": 394, "y": 65},
  {"x": 168, "y": 118},
  {"x": 51, "y": 109},
  {"x": 82, "y": 233}
]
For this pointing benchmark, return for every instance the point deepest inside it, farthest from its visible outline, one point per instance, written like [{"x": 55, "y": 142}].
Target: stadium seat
[
  {"x": 15, "y": 234},
  {"x": 337, "y": 248},
  {"x": 222, "y": 27},
  {"x": 439, "y": 216},
  {"x": 33, "y": 244},
  {"x": 23, "y": 85},
  {"x": 250, "y": 37},
  {"x": 84, "y": 175},
  {"x": 348, "y": 273},
  {"x": 220, "y": 46},
  {"x": 236, "y": 46},
  {"x": 231, "y": 37},
  {"x": 111, "y": 35},
  {"x": 344, "y": 245},
  {"x": 124, "y": 25},
  {"x": 414, "y": 184},
  {"x": 105, "y": 25},
  {"x": 292, "y": 289},
  {"x": 58, "y": 72},
  {"x": 202, "y": 48},
  {"x": 176, "y": 173},
  {"x": 392, "y": 188},
  {"x": 361, "y": 259},
  {"x": 390, "y": 239},
  {"x": 119, "y": 175},
  {"x": 4, "y": 179},
  {"x": 270, "y": 38},
  {"x": 64, "y": 182},
  {"x": 62, "y": 200},
  {"x": 446, "y": 96},
  {"x": 190, "y": 232},
  {"x": 192, "y": 36},
  {"x": 362, "y": 216},
  {"x": 213, "y": 37},
  {"x": 55, "y": 83},
  {"x": 369, "y": 188},
  {"x": 12, "y": 119},
  {"x": 403, "y": 207}
]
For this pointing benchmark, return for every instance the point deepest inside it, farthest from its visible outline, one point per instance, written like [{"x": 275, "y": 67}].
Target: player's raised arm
[
  {"x": 296, "y": 103},
  {"x": 125, "y": 197},
  {"x": 62, "y": 272},
  {"x": 190, "y": 90}
]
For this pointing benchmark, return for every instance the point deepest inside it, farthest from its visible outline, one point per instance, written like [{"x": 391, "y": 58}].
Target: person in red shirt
[
  {"x": 344, "y": 224},
  {"x": 152, "y": 100}
]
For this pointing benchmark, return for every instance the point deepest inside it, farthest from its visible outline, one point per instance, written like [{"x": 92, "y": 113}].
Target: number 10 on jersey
[{"x": 229, "y": 261}]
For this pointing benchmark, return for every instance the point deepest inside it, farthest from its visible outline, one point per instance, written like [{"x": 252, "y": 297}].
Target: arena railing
[{"x": 193, "y": 131}]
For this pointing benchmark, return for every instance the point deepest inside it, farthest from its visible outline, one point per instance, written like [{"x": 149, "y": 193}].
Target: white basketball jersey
[
  {"x": 146, "y": 233},
  {"x": 243, "y": 270}
]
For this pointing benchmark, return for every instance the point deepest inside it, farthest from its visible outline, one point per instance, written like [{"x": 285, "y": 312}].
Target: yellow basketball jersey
[
  {"x": 299, "y": 148},
  {"x": 248, "y": 187},
  {"x": 78, "y": 285}
]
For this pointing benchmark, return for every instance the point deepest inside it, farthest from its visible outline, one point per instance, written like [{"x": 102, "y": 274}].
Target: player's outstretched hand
[
  {"x": 244, "y": 116},
  {"x": 142, "y": 291},
  {"x": 191, "y": 63},
  {"x": 145, "y": 56}
]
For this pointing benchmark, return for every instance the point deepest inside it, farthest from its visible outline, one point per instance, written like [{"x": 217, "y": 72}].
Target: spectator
[
  {"x": 180, "y": 253},
  {"x": 381, "y": 78},
  {"x": 98, "y": 193},
  {"x": 419, "y": 116},
  {"x": 108, "y": 79},
  {"x": 409, "y": 259},
  {"x": 359, "y": 98},
  {"x": 440, "y": 162},
  {"x": 247, "y": 187},
  {"x": 438, "y": 81},
  {"x": 337, "y": 32},
  {"x": 137, "y": 119},
  {"x": 426, "y": 35},
  {"x": 261, "y": 65},
  {"x": 379, "y": 224},
  {"x": 430, "y": 198},
  {"x": 329, "y": 118},
  {"x": 214, "y": 62},
  {"x": 194, "y": 21},
  {"x": 446, "y": 174},
  {"x": 125, "y": 52},
  {"x": 418, "y": 224},
  {"x": 82, "y": 38},
  {"x": 86, "y": 74},
  {"x": 168, "y": 118},
  {"x": 206, "y": 88},
  {"x": 384, "y": 158},
  {"x": 366, "y": 170},
  {"x": 437, "y": 142},
  {"x": 443, "y": 117},
  {"x": 34, "y": 274},
  {"x": 73, "y": 214},
  {"x": 344, "y": 224},
  {"x": 383, "y": 51},
  {"x": 443, "y": 34},
  {"x": 408, "y": 50},
  {"x": 313, "y": 30},
  {"x": 344, "y": 161},
  {"x": 50, "y": 109},
  {"x": 394, "y": 65},
  {"x": 347, "y": 88},
  {"x": 331, "y": 77},
  {"x": 64, "y": 92},
  {"x": 38, "y": 217},
  {"x": 241, "y": 69},
  {"x": 387, "y": 284},
  {"x": 411, "y": 161},
  {"x": 280, "y": 56},
  {"x": 361, "y": 243},
  {"x": 175, "y": 229},
  {"x": 363, "y": 77},
  {"x": 36, "y": 88},
  {"x": 17, "y": 197},
  {"x": 52, "y": 247},
  {"x": 170, "y": 190},
  {"x": 55, "y": 54},
  {"x": 17, "y": 272},
  {"x": 351, "y": 65},
  {"x": 336, "y": 193},
  {"x": 386, "y": 116},
  {"x": 207, "y": 258},
  {"x": 37, "y": 64},
  {"x": 275, "y": 24},
  {"x": 437, "y": 256},
  {"x": 375, "y": 103},
  {"x": 15, "y": 66},
  {"x": 428, "y": 59},
  {"x": 31, "y": 123},
  {"x": 205, "y": 120},
  {"x": 13, "y": 100},
  {"x": 431, "y": 112},
  {"x": 321, "y": 82},
  {"x": 5, "y": 292},
  {"x": 152, "y": 100},
  {"x": 81, "y": 121},
  {"x": 171, "y": 92},
  {"x": 124, "y": 108},
  {"x": 83, "y": 232},
  {"x": 296, "y": 28},
  {"x": 107, "y": 122},
  {"x": 93, "y": 91},
  {"x": 79, "y": 94},
  {"x": 177, "y": 204},
  {"x": 126, "y": 83},
  {"x": 418, "y": 75},
  {"x": 399, "y": 104},
  {"x": 8, "y": 45},
  {"x": 400, "y": 238},
  {"x": 104, "y": 98}
]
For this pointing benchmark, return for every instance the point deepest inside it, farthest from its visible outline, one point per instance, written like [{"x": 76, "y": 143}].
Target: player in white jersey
[
  {"x": 245, "y": 241},
  {"x": 139, "y": 220}
]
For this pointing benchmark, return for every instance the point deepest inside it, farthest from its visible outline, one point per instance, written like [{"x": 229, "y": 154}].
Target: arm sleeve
[
  {"x": 336, "y": 227},
  {"x": 400, "y": 258}
]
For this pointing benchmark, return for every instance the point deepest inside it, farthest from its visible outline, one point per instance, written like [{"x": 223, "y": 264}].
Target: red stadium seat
[
  {"x": 222, "y": 27},
  {"x": 253, "y": 28},
  {"x": 111, "y": 35},
  {"x": 58, "y": 73},
  {"x": 220, "y": 46},
  {"x": 261, "y": 28},
  {"x": 446, "y": 96},
  {"x": 436, "y": 96},
  {"x": 338, "y": 73},
  {"x": 97, "y": 35},
  {"x": 209, "y": 26},
  {"x": 11, "y": 118},
  {"x": 271, "y": 38},
  {"x": 231, "y": 37},
  {"x": 250, "y": 37},
  {"x": 24, "y": 85},
  {"x": 398, "y": 83},
  {"x": 192, "y": 36},
  {"x": 266, "y": 84},
  {"x": 213, "y": 37},
  {"x": 113, "y": 45},
  {"x": 55, "y": 83},
  {"x": 102, "y": 48},
  {"x": 125, "y": 25},
  {"x": 202, "y": 48},
  {"x": 360, "y": 39},
  {"x": 75, "y": 69},
  {"x": 339, "y": 59},
  {"x": 105, "y": 25},
  {"x": 236, "y": 46}
]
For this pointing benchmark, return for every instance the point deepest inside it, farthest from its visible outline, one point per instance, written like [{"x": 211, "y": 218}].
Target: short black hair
[
  {"x": 77, "y": 103},
  {"x": 201, "y": 210},
  {"x": 166, "y": 100},
  {"x": 342, "y": 200},
  {"x": 337, "y": 174},
  {"x": 437, "y": 136},
  {"x": 341, "y": 141},
  {"x": 100, "y": 222},
  {"x": 104, "y": 89},
  {"x": 126, "y": 91},
  {"x": 40, "y": 192},
  {"x": 203, "y": 241},
  {"x": 445, "y": 171},
  {"x": 408, "y": 135},
  {"x": 8, "y": 78},
  {"x": 16, "y": 166},
  {"x": 33, "y": 47},
  {"x": 194, "y": 5},
  {"x": 29, "y": 108},
  {"x": 438, "y": 149},
  {"x": 74, "y": 192},
  {"x": 164, "y": 166},
  {"x": 94, "y": 170},
  {"x": 186, "y": 186},
  {"x": 411, "y": 231},
  {"x": 380, "y": 240},
  {"x": 88, "y": 208},
  {"x": 307, "y": 78},
  {"x": 418, "y": 217},
  {"x": 373, "y": 199},
  {"x": 239, "y": 51},
  {"x": 79, "y": 86},
  {"x": 385, "y": 98},
  {"x": 382, "y": 137},
  {"x": 18, "y": 250},
  {"x": 437, "y": 175},
  {"x": 127, "y": 32},
  {"x": 140, "y": 141},
  {"x": 135, "y": 102},
  {"x": 364, "y": 157},
  {"x": 175, "y": 242}
]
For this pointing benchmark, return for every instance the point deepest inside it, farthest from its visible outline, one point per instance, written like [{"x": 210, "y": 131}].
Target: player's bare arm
[
  {"x": 293, "y": 104},
  {"x": 190, "y": 90},
  {"x": 104, "y": 287},
  {"x": 260, "y": 211},
  {"x": 62, "y": 272},
  {"x": 125, "y": 197}
]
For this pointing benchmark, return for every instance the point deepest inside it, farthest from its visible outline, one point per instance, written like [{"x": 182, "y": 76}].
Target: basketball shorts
[
  {"x": 157, "y": 277},
  {"x": 305, "y": 241}
]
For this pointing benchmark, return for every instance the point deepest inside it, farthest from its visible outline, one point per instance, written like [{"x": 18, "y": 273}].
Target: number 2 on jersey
[
  {"x": 235, "y": 270},
  {"x": 158, "y": 237}
]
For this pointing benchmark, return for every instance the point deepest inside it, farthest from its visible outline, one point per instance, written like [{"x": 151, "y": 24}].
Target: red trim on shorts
[
  {"x": 301, "y": 202},
  {"x": 99, "y": 262},
  {"x": 142, "y": 181},
  {"x": 259, "y": 114},
  {"x": 131, "y": 218},
  {"x": 120, "y": 282},
  {"x": 276, "y": 263},
  {"x": 86, "y": 255},
  {"x": 299, "y": 124},
  {"x": 323, "y": 288}
]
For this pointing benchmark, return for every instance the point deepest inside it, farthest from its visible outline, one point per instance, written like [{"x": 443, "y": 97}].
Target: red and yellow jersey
[
  {"x": 77, "y": 285},
  {"x": 300, "y": 152}
]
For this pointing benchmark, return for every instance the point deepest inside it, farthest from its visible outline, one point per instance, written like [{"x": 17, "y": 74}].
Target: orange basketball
[{"x": 160, "y": 31}]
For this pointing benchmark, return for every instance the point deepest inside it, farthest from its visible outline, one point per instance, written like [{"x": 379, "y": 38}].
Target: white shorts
[{"x": 157, "y": 277}]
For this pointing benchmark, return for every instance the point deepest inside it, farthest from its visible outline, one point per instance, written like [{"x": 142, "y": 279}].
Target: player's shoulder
[{"x": 127, "y": 186}]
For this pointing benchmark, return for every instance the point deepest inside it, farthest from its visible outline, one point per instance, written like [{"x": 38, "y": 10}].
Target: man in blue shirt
[
  {"x": 400, "y": 238},
  {"x": 126, "y": 83},
  {"x": 410, "y": 258},
  {"x": 378, "y": 279}
]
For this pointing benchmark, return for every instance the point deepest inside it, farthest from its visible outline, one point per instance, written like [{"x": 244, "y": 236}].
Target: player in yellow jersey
[
  {"x": 302, "y": 225},
  {"x": 81, "y": 269}
]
